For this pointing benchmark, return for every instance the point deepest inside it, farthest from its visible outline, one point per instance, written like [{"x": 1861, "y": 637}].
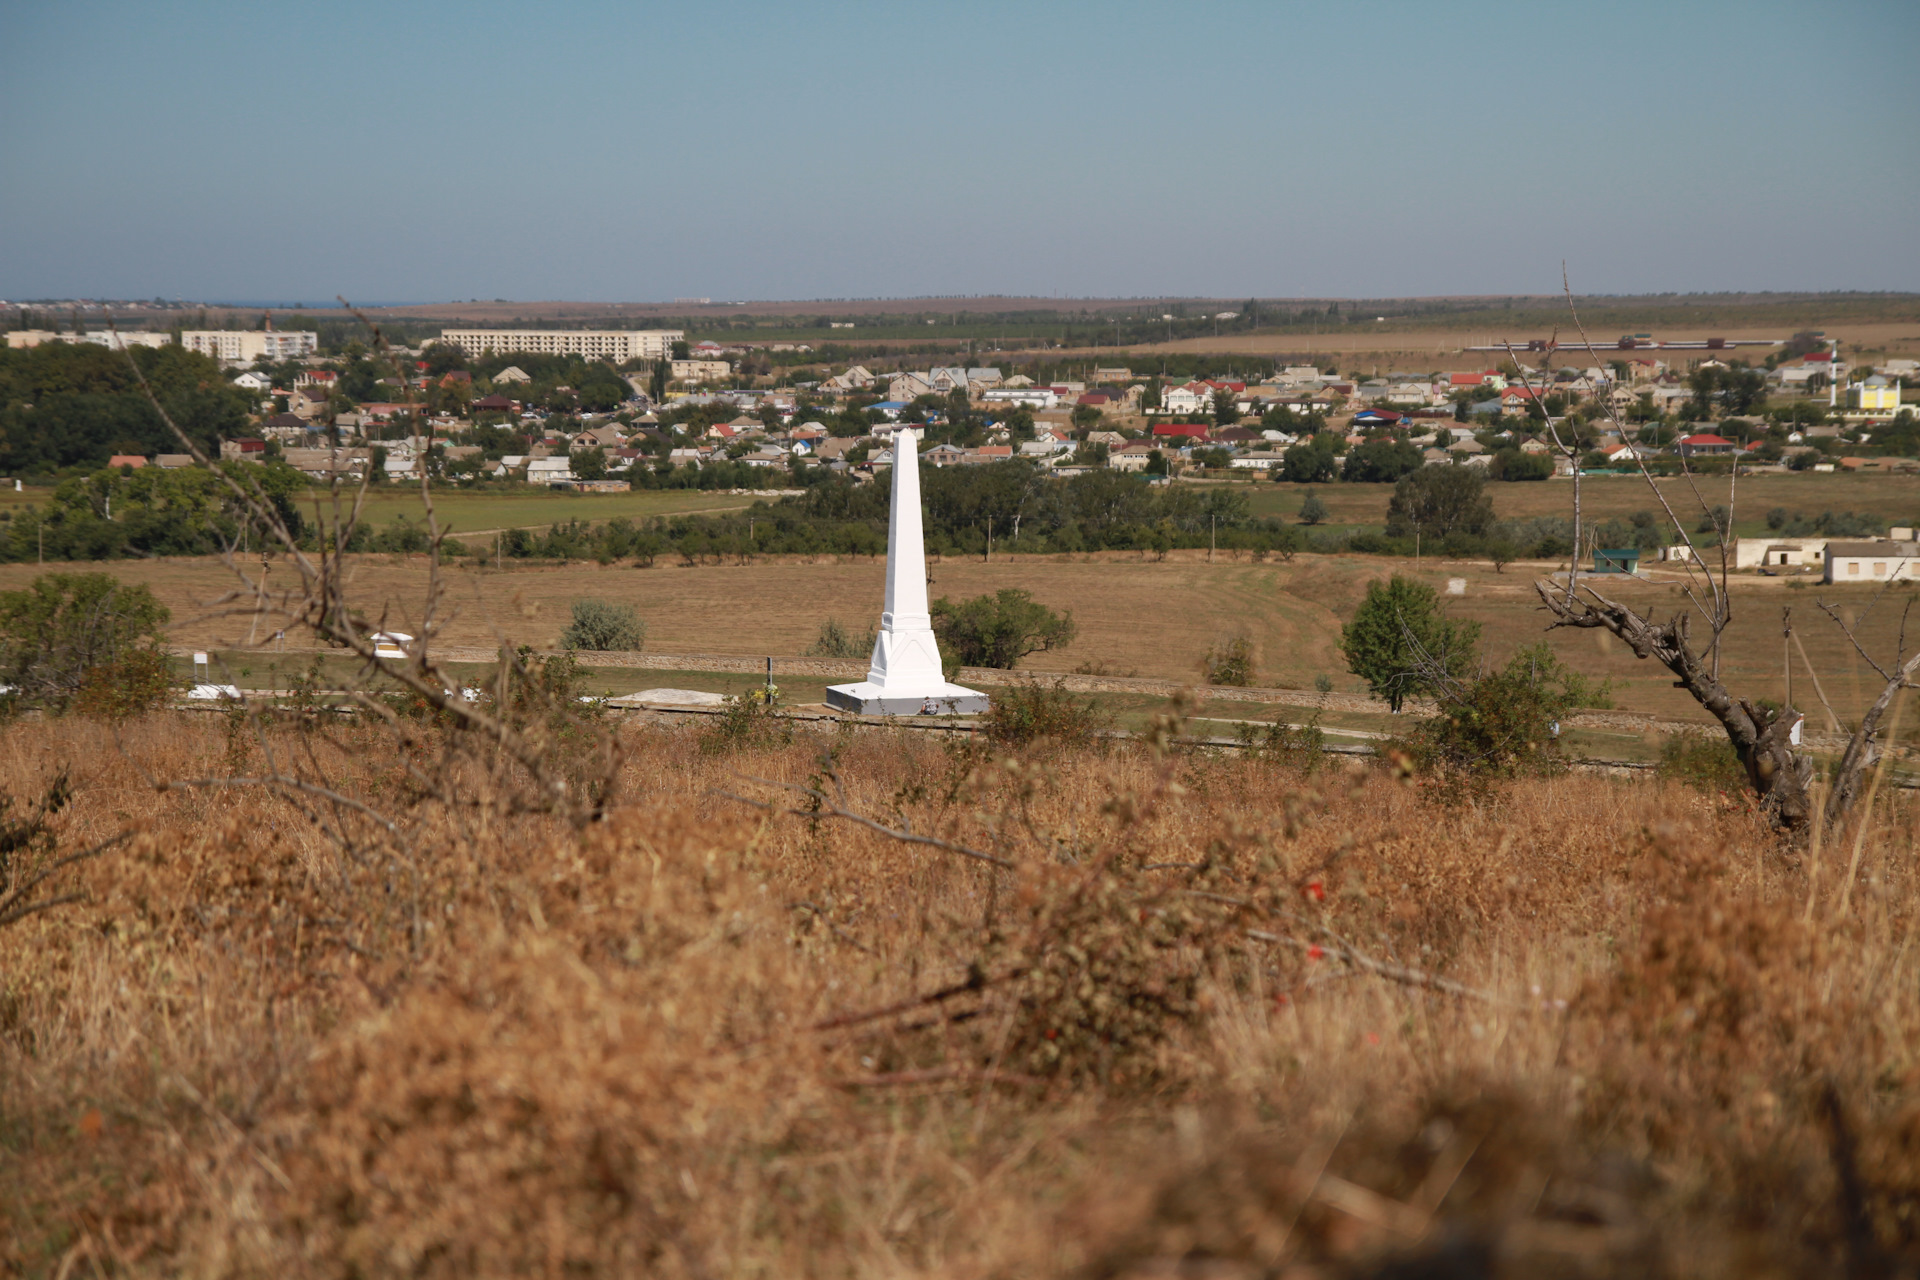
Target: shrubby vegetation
[
  {"x": 82, "y": 642},
  {"x": 836, "y": 641},
  {"x": 998, "y": 630},
  {"x": 601, "y": 626},
  {"x": 1034, "y": 712},
  {"x": 1229, "y": 661},
  {"x": 1505, "y": 722}
]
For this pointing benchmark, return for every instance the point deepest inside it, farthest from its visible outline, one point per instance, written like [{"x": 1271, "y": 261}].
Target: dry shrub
[
  {"x": 1032, "y": 711},
  {"x": 598, "y": 1091},
  {"x": 698, "y": 1037}
]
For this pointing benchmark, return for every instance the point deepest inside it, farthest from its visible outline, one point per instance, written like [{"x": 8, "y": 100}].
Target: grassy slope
[{"x": 499, "y": 1046}]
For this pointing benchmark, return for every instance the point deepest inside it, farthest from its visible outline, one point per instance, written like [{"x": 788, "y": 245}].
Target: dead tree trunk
[{"x": 1780, "y": 776}]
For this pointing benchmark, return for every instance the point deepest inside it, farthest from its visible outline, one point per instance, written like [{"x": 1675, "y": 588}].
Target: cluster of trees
[
  {"x": 1487, "y": 721},
  {"x": 82, "y": 642},
  {"x": 74, "y": 405},
  {"x": 121, "y": 512}
]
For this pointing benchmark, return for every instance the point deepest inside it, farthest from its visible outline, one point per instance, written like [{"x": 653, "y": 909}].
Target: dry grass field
[
  {"x": 1424, "y": 350},
  {"x": 1137, "y": 615},
  {"x": 1200, "y": 1017}
]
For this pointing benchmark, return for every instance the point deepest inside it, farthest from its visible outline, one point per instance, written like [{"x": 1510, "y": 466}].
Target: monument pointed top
[{"x": 905, "y": 676}]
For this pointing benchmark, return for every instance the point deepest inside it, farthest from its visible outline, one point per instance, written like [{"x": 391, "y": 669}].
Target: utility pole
[
  {"x": 989, "y": 555},
  {"x": 1213, "y": 526},
  {"x": 1786, "y": 650}
]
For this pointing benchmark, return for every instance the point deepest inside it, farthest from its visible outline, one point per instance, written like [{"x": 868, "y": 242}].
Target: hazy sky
[{"x": 632, "y": 151}]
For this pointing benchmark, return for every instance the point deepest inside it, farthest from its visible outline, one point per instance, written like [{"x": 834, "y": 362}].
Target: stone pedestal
[{"x": 904, "y": 678}]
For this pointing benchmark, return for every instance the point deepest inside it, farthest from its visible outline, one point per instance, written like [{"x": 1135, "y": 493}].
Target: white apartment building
[
  {"x": 121, "y": 339},
  {"x": 617, "y": 345},
  {"x": 244, "y": 346},
  {"x": 118, "y": 341}
]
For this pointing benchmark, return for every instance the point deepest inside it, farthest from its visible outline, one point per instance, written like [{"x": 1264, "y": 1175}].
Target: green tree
[
  {"x": 1435, "y": 501},
  {"x": 601, "y": 626},
  {"x": 83, "y": 638},
  {"x": 998, "y": 630},
  {"x": 1310, "y": 463},
  {"x": 1401, "y": 643},
  {"x": 1312, "y": 510},
  {"x": 1380, "y": 462},
  {"x": 1512, "y": 464},
  {"x": 1225, "y": 411},
  {"x": 589, "y": 464}
]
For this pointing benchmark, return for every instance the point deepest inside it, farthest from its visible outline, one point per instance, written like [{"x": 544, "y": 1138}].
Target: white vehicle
[
  {"x": 214, "y": 693},
  {"x": 391, "y": 644}
]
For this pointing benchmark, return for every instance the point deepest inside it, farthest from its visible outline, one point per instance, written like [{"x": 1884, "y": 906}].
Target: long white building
[
  {"x": 244, "y": 346},
  {"x": 617, "y": 345}
]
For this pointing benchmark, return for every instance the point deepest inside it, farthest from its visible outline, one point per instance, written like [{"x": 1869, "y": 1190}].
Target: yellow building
[{"x": 1875, "y": 395}]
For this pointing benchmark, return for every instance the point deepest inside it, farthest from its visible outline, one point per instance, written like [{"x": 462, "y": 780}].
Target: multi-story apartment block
[
  {"x": 121, "y": 339},
  {"x": 617, "y": 345},
  {"x": 244, "y": 346}
]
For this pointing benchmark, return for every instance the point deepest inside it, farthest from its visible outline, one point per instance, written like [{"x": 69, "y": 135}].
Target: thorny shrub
[
  {"x": 747, "y": 721},
  {"x": 1035, "y": 711},
  {"x": 1300, "y": 747},
  {"x": 1706, "y": 762},
  {"x": 1229, "y": 661}
]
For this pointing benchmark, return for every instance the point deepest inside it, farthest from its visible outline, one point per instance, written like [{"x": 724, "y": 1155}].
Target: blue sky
[{"x": 630, "y": 151}]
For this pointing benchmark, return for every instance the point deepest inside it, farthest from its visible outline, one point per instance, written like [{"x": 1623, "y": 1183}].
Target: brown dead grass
[
  {"x": 606, "y": 1052},
  {"x": 1136, "y": 614}
]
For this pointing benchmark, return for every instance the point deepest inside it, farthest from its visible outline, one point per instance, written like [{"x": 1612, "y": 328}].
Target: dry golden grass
[
  {"x": 1383, "y": 347},
  {"x": 1136, "y": 614},
  {"x": 524, "y": 1049}
]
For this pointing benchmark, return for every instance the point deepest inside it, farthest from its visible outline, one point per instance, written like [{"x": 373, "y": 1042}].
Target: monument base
[{"x": 867, "y": 699}]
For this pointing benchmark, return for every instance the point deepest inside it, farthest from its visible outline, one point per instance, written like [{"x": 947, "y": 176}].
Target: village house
[
  {"x": 855, "y": 379},
  {"x": 1870, "y": 561},
  {"x": 1703, "y": 443},
  {"x": 699, "y": 370}
]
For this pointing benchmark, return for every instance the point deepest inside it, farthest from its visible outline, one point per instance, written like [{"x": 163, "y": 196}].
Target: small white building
[
  {"x": 549, "y": 470},
  {"x": 1753, "y": 553},
  {"x": 1870, "y": 561}
]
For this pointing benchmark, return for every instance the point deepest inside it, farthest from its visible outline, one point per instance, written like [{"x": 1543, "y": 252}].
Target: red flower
[
  {"x": 1316, "y": 891},
  {"x": 1315, "y": 952},
  {"x": 1053, "y": 1033}
]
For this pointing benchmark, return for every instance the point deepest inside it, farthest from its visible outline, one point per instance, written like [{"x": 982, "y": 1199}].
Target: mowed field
[{"x": 1137, "y": 616}]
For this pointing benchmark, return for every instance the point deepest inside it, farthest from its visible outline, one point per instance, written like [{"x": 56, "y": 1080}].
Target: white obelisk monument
[{"x": 905, "y": 677}]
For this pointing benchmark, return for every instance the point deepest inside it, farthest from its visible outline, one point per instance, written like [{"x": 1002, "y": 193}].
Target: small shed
[{"x": 1616, "y": 560}]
